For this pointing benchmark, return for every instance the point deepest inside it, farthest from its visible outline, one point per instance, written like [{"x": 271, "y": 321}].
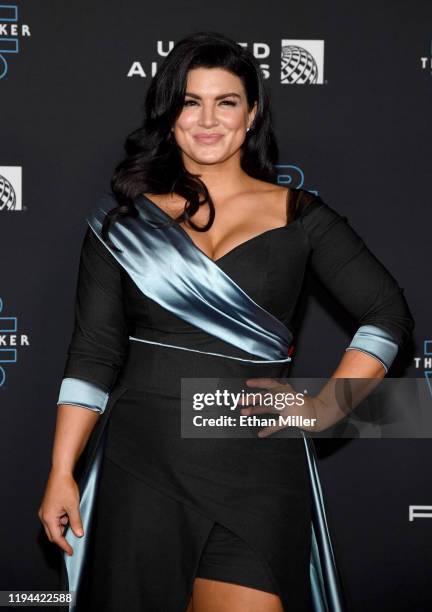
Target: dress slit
[{"x": 255, "y": 572}]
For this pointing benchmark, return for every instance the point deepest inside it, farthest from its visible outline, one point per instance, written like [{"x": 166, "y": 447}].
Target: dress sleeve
[
  {"x": 358, "y": 281},
  {"x": 99, "y": 342}
]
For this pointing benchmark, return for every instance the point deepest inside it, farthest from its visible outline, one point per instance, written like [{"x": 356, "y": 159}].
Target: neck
[{"x": 221, "y": 179}]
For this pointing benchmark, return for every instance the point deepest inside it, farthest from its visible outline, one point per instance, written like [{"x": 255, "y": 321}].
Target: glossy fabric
[
  {"x": 80, "y": 392},
  {"x": 103, "y": 340},
  {"x": 376, "y": 342},
  {"x": 75, "y": 563},
  {"x": 168, "y": 268}
]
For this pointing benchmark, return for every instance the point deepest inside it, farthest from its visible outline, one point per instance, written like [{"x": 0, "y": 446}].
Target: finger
[
  {"x": 57, "y": 536},
  {"x": 259, "y": 410},
  {"x": 255, "y": 400},
  {"x": 75, "y": 520},
  {"x": 285, "y": 389},
  {"x": 64, "y": 545},
  {"x": 267, "y": 431},
  {"x": 269, "y": 383}
]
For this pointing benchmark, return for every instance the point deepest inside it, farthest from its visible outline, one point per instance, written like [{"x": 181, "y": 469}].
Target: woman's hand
[
  {"x": 304, "y": 406},
  {"x": 59, "y": 506}
]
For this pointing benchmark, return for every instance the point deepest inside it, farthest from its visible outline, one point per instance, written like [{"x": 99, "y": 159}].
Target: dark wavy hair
[{"x": 153, "y": 160}]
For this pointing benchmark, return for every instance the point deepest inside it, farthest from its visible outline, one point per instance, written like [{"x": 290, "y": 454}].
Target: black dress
[{"x": 171, "y": 508}]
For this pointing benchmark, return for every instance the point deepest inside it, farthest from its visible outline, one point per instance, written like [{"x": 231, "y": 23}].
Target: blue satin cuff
[
  {"x": 376, "y": 342},
  {"x": 82, "y": 393}
]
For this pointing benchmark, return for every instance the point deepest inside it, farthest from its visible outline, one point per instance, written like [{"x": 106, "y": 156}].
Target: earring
[{"x": 247, "y": 129}]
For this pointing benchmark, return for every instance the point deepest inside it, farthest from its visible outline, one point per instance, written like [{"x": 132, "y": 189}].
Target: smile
[{"x": 208, "y": 138}]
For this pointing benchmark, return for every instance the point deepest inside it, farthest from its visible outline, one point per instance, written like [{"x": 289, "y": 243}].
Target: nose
[{"x": 207, "y": 116}]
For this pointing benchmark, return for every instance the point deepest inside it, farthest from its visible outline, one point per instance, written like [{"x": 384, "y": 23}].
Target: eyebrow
[{"x": 225, "y": 95}]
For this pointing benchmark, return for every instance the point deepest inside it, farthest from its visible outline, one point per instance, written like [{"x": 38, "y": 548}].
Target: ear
[{"x": 252, "y": 113}]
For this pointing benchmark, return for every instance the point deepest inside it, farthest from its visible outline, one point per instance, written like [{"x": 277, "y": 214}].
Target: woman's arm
[
  {"x": 359, "y": 282},
  {"x": 95, "y": 355},
  {"x": 96, "y": 352},
  {"x": 329, "y": 407},
  {"x": 73, "y": 429},
  {"x": 60, "y": 503},
  {"x": 370, "y": 294}
]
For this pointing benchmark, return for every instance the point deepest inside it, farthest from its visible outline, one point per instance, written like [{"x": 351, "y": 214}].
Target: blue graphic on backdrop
[
  {"x": 427, "y": 363},
  {"x": 292, "y": 176},
  {"x": 9, "y": 341},
  {"x": 10, "y": 31},
  {"x": 8, "y": 325}
]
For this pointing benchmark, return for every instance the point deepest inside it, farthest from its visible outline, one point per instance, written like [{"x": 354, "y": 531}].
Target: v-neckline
[{"x": 235, "y": 248}]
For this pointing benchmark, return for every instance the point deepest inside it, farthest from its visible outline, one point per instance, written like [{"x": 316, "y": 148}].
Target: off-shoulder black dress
[{"x": 170, "y": 508}]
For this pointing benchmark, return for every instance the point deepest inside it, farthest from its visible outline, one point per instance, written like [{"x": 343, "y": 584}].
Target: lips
[{"x": 208, "y": 138}]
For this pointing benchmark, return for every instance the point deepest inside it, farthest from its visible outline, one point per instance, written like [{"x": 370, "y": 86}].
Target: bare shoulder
[
  {"x": 171, "y": 203},
  {"x": 271, "y": 189},
  {"x": 279, "y": 199},
  {"x": 275, "y": 193},
  {"x": 161, "y": 198}
]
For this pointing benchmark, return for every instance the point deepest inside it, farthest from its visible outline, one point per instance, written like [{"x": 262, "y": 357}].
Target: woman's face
[{"x": 212, "y": 124}]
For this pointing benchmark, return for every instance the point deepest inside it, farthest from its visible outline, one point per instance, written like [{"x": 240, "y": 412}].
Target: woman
[{"x": 193, "y": 267}]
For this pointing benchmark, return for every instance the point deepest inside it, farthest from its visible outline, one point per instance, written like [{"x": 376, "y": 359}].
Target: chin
[{"x": 210, "y": 158}]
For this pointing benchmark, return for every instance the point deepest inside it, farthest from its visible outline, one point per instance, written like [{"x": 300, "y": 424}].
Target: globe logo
[
  {"x": 298, "y": 65},
  {"x": 7, "y": 195}
]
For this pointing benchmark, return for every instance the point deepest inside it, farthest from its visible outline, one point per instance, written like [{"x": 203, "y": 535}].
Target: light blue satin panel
[
  {"x": 167, "y": 267},
  {"x": 82, "y": 393},
  {"x": 75, "y": 563},
  {"x": 377, "y": 342},
  {"x": 325, "y": 584},
  {"x": 170, "y": 269}
]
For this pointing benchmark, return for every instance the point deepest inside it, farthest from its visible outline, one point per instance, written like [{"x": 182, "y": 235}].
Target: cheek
[
  {"x": 234, "y": 121},
  {"x": 186, "y": 121}
]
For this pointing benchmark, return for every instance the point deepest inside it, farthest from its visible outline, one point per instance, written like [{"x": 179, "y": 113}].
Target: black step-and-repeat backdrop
[{"x": 353, "y": 125}]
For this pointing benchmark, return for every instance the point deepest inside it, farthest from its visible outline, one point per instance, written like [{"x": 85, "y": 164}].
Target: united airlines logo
[
  {"x": 10, "y": 341},
  {"x": 302, "y": 62},
  {"x": 10, "y": 188},
  {"x": 11, "y": 31}
]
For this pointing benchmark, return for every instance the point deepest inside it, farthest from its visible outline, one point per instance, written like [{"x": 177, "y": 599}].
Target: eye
[{"x": 229, "y": 102}]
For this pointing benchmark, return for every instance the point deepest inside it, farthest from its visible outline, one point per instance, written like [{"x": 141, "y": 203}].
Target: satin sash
[{"x": 169, "y": 268}]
